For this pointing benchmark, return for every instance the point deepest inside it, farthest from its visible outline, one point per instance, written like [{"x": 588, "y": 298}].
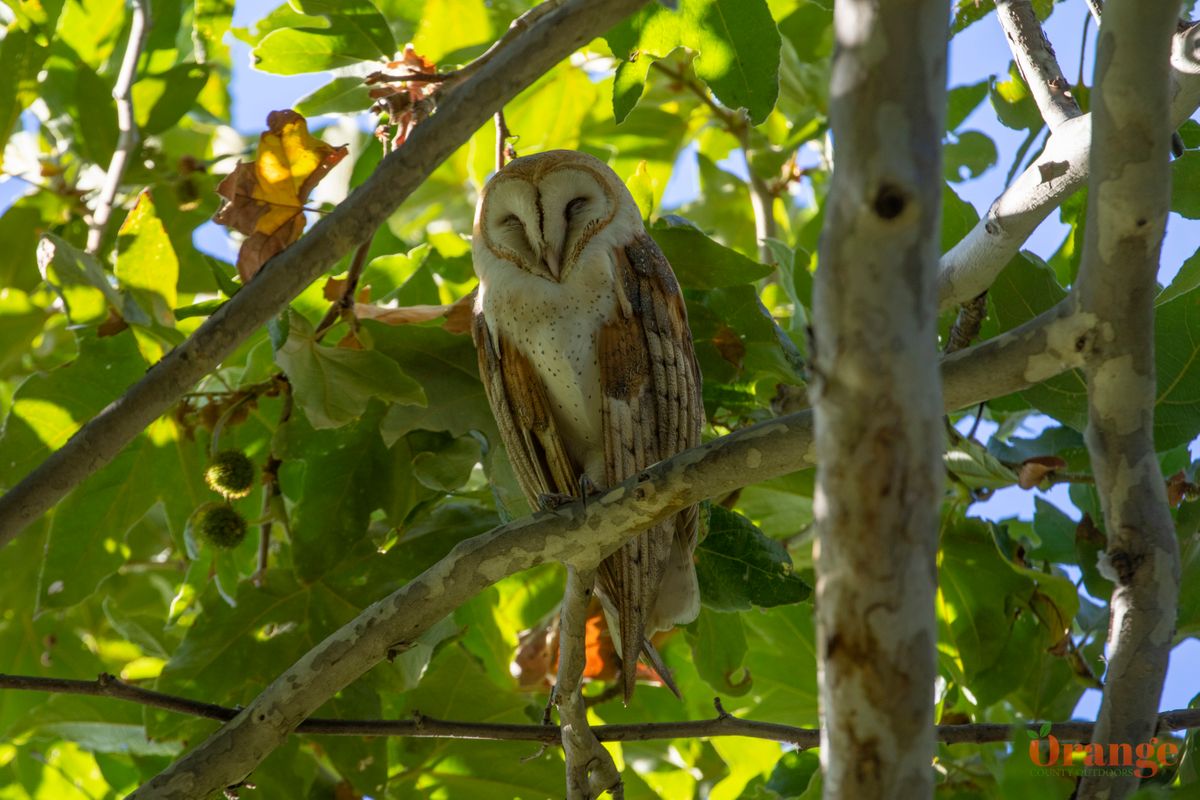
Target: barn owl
[{"x": 587, "y": 361}]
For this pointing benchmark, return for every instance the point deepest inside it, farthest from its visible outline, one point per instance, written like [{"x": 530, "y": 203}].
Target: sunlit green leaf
[{"x": 334, "y": 384}]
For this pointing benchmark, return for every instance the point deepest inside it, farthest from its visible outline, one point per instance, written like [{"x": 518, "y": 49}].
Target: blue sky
[{"x": 975, "y": 54}]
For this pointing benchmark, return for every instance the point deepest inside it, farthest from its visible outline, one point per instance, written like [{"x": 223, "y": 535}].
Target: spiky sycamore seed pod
[
  {"x": 219, "y": 524},
  {"x": 231, "y": 474}
]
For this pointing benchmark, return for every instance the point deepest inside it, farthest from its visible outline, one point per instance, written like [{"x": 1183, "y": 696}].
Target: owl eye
[
  {"x": 574, "y": 207},
  {"x": 511, "y": 221}
]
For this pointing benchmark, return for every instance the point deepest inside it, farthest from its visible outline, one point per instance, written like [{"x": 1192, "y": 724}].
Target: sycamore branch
[
  {"x": 751, "y": 455},
  {"x": 1035, "y": 59},
  {"x": 424, "y": 727},
  {"x": 128, "y": 136},
  {"x": 528, "y": 51},
  {"x": 1129, "y": 198},
  {"x": 971, "y": 266},
  {"x": 877, "y": 401},
  {"x": 590, "y": 768}
]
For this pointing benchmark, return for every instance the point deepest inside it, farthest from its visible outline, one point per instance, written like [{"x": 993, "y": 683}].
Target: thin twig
[
  {"x": 272, "y": 491},
  {"x": 346, "y": 301},
  {"x": 423, "y": 727},
  {"x": 129, "y": 136},
  {"x": 502, "y": 148},
  {"x": 762, "y": 197},
  {"x": 1036, "y": 61}
]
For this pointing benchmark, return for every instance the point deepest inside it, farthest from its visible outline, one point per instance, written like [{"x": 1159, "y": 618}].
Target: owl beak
[{"x": 550, "y": 259}]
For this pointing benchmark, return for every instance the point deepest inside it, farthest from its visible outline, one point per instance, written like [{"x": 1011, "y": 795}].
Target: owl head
[{"x": 544, "y": 212}]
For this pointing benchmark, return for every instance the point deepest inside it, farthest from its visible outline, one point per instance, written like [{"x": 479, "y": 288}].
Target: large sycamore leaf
[
  {"x": 739, "y": 567},
  {"x": 264, "y": 198},
  {"x": 146, "y": 262},
  {"x": 323, "y": 35},
  {"x": 737, "y": 51},
  {"x": 1000, "y": 619},
  {"x": 332, "y": 384},
  {"x": 701, "y": 262}
]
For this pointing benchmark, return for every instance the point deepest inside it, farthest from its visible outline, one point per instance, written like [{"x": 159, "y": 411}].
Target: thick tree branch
[
  {"x": 423, "y": 727},
  {"x": 590, "y": 768},
  {"x": 128, "y": 137},
  {"x": 751, "y": 455},
  {"x": 877, "y": 402},
  {"x": 1036, "y": 60},
  {"x": 1129, "y": 198},
  {"x": 527, "y": 55},
  {"x": 970, "y": 266}
]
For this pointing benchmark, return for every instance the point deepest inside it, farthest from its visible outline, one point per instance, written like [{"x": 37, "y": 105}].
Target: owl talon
[{"x": 553, "y": 501}]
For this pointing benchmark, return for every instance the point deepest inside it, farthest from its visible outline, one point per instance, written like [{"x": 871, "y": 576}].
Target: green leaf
[
  {"x": 1176, "y": 357},
  {"x": 999, "y": 619},
  {"x": 971, "y": 464},
  {"x": 356, "y": 32},
  {"x": 447, "y": 468},
  {"x": 49, "y": 407},
  {"x": 20, "y": 323},
  {"x": 628, "y": 85},
  {"x": 347, "y": 475},
  {"x": 737, "y": 47},
  {"x": 968, "y": 156},
  {"x": 1185, "y": 176},
  {"x": 64, "y": 266},
  {"x": 210, "y": 20},
  {"x": 961, "y": 101},
  {"x": 162, "y": 99},
  {"x": 146, "y": 262},
  {"x": 1185, "y": 280},
  {"x": 87, "y": 531},
  {"x": 739, "y": 567},
  {"x": 21, "y": 58},
  {"x": 96, "y": 725},
  {"x": 718, "y": 643},
  {"x": 448, "y": 369},
  {"x": 968, "y": 12},
  {"x": 1024, "y": 289},
  {"x": 345, "y": 95},
  {"x": 700, "y": 262},
  {"x": 332, "y": 384},
  {"x": 363, "y": 762},
  {"x": 457, "y": 687},
  {"x": 781, "y": 656},
  {"x": 1013, "y": 103},
  {"x": 450, "y": 26}
]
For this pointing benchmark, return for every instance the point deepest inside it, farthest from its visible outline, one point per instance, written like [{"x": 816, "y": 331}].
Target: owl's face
[{"x": 542, "y": 212}]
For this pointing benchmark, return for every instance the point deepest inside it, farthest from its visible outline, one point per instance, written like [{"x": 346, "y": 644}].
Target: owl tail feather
[{"x": 656, "y": 663}]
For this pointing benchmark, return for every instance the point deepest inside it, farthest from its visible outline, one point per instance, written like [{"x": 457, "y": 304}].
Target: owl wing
[
  {"x": 651, "y": 409},
  {"x": 522, "y": 411}
]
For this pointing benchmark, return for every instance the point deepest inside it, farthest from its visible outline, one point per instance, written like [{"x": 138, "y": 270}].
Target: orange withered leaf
[
  {"x": 400, "y": 96},
  {"x": 1033, "y": 470},
  {"x": 264, "y": 198}
]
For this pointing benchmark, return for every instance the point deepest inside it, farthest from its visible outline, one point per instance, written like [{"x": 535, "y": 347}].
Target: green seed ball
[
  {"x": 231, "y": 474},
  {"x": 219, "y": 524}
]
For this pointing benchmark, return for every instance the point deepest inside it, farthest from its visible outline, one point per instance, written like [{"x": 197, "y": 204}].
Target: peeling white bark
[
  {"x": 1129, "y": 193},
  {"x": 972, "y": 265},
  {"x": 877, "y": 402}
]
